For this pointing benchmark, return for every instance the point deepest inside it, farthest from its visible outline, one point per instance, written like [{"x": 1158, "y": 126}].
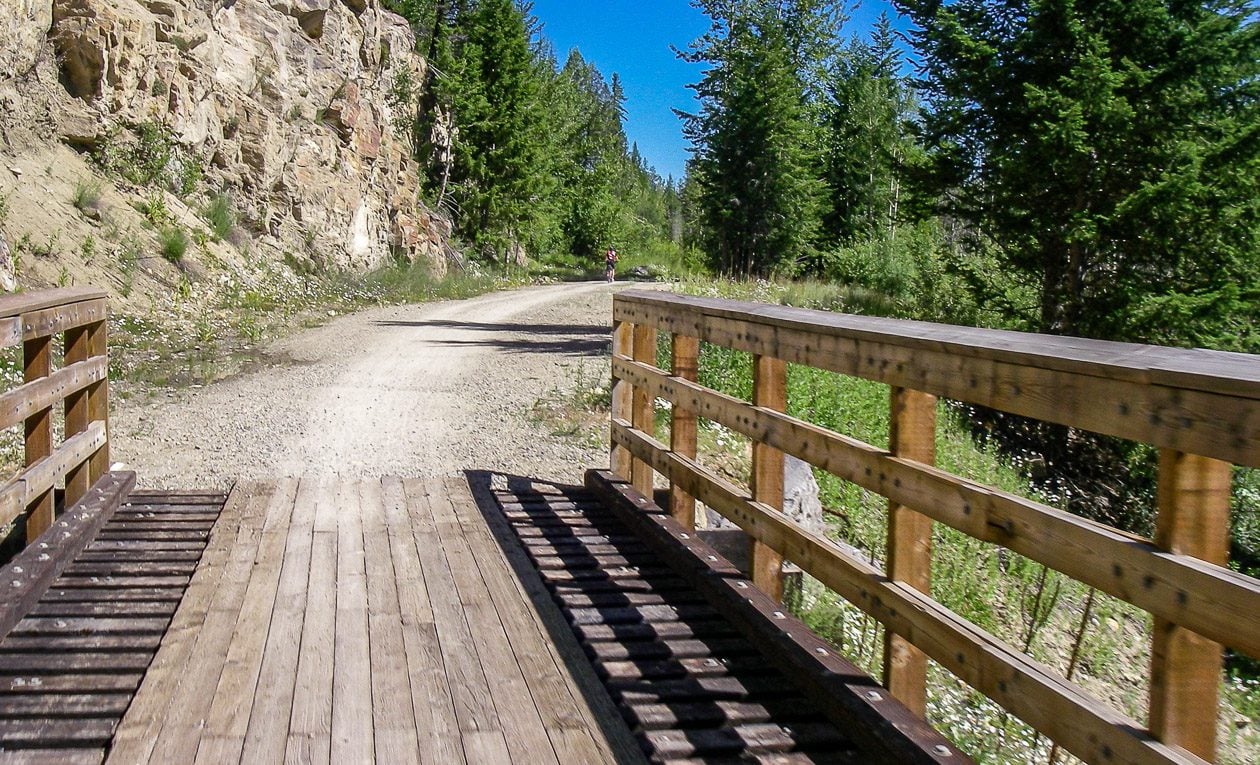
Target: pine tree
[
  {"x": 756, "y": 162},
  {"x": 1110, "y": 152},
  {"x": 870, "y": 139}
]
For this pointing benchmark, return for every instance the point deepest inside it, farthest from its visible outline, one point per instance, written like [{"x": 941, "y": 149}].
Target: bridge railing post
[
  {"x": 98, "y": 398},
  {"x": 1192, "y": 519},
  {"x": 766, "y": 486},
  {"x": 642, "y": 416},
  {"x": 622, "y": 397},
  {"x": 37, "y": 365},
  {"x": 682, "y": 429},
  {"x": 912, "y": 435}
]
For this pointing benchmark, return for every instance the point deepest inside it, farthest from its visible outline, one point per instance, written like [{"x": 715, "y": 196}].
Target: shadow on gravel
[{"x": 579, "y": 340}]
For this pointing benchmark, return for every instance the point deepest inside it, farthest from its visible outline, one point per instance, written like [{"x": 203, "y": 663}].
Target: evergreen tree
[
  {"x": 756, "y": 146},
  {"x": 871, "y": 141},
  {"x": 1110, "y": 151}
]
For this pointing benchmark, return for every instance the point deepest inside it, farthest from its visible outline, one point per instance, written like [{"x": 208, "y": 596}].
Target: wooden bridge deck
[{"x": 356, "y": 621}]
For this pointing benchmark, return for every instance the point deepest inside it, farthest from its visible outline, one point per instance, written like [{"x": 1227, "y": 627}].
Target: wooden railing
[
  {"x": 1200, "y": 408},
  {"x": 33, "y": 321}
]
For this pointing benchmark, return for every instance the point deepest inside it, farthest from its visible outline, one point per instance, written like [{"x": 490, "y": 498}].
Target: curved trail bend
[{"x": 419, "y": 390}]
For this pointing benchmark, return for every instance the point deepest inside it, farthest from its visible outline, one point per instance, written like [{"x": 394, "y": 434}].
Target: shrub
[
  {"x": 87, "y": 195},
  {"x": 220, "y": 216},
  {"x": 174, "y": 243}
]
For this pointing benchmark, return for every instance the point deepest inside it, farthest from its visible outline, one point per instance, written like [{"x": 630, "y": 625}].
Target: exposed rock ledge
[{"x": 283, "y": 102}]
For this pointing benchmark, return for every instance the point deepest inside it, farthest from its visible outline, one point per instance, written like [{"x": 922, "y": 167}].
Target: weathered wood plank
[
  {"x": 353, "y": 736},
  {"x": 685, "y": 352},
  {"x": 393, "y": 715},
  {"x": 432, "y": 702},
  {"x": 138, "y": 731},
  {"x": 310, "y": 724},
  {"x": 1167, "y": 404},
  {"x": 36, "y": 365},
  {"x": 642, "y": 413},
  {"x": 16, "y": 304},
  {"x": 766, "y": 481},
  {"x": 513, "y": 701},
  {"x": 28, "y": 576},
  {"x": 266, "y": 736},
  {"x": 233, "y": 701},
  {"x": 622, "y": 395},
  {"x": 469, "y": 687},
  {"x": 913, "y": 437},
  {"x": 1192, "y": 519}
]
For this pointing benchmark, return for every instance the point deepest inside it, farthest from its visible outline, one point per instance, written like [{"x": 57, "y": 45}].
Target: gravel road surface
[{"x": 419, "y": 390}]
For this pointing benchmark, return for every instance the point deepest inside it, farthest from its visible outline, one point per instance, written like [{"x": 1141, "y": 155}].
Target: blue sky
[{"x": 633, "y": 38}]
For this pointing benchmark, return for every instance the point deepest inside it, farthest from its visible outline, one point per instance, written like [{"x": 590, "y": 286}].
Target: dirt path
[{"x": 419, "y": 390}]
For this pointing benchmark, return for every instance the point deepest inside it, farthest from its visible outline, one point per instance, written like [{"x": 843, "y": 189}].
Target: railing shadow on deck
[
  {"x": 482, "y": 484},
  {"x": 1200, "y": 408},
  {"x": 538, "y": 338}
]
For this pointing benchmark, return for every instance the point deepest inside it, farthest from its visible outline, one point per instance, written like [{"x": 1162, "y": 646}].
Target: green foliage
[
  {"x": 153, "y": 208},
  {"x": 757, "y": 147},
  {"x": 88, "y": 248},
  {"x": 174, "y": 244},
  {"x": 87, "y": 195},
  {"x": 221, "y": 216},
  {"x": 1111, "y": 152}
]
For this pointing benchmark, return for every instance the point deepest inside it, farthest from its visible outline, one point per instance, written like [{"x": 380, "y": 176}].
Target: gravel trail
[{"x": 420, "y": 390}]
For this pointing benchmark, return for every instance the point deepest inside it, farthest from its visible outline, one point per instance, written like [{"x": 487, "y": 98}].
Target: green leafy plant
[
  {"x": 153, "y": 208},
  {"x": 87, "y": 195},
  {"x": 174, "y": 244},
  {"x": 88, "y": 248},
  {"x": 221, "y": 217}
]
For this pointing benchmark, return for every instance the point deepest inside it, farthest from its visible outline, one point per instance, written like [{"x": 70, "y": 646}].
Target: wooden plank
[
  {"x": 138, "y": 731},
  {"x": 232, "y": 704},
  {"x": 622, "y": 393},
  {"x": 432, "y": 702},
  {"x": 1195, "y": 368},
  {"x": 1212, "y": 600},
  {"x": 46, "y": 322},
  {"x": 642, "y": 412},
  {"x": 393, "y": 715},
  {"x": 28, "y": 576},
  {"x": 42, "y": 393},
  {"x": 98, "y": 396},
  {"x": 40, "y": 477},
  {"x": 469, "y": 687},
  {"x": 1037, "y": 695},
  {"x": 682, "y": 429},
  {"x": 16, "y": 304},
  {"x": 353, "y": 737},
  {"x": 1192, "y": 519},
  {"x": 766, "y": 482},
  {"x": 52, "y": 757},
  {"x": 37, "y": 364},
  {"x": 1215, "y": 416},
  {"x": 912, "y": 436},
  {"x": 310, "y": 722},
  {"x": 184, "y": 723},
  {"x": 76, "y": 352},
  {"x": 120, "y": 682},
  {"x": 266, "y": 736},
  {"x": 514, "y": 704}
]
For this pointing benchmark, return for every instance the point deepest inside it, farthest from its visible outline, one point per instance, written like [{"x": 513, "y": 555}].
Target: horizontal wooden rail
[
  {"x": 1212, "y": 600},
  {"x": 1060, "y": 710},
  {"x": 78, "y": 317},
  {"x": 1201, "y": 408},
  {"x": 1200, "y": 402}
]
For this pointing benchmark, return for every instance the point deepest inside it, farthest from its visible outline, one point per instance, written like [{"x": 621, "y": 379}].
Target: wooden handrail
[
  {"x": 1199, "y": 407},
  {"x": 34, "y": 321}
]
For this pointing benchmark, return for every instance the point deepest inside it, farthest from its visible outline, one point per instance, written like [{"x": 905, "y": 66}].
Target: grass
[
  {"x": 174, "y": 243},
  {"x": 87, "y": 196},
  {"x": 221, "y": 217}
]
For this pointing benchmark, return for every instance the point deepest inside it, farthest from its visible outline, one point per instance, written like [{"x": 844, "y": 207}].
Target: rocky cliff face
[{"x": 282, "y": 105}]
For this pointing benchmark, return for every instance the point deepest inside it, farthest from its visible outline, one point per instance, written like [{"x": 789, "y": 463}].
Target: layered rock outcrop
[{"x": 283, "y": 104}]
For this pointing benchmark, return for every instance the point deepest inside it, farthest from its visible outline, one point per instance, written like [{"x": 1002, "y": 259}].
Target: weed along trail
[{"x": 419, "y": 390}]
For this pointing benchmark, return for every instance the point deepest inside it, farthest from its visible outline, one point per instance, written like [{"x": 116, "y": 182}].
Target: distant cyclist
[{"x": 610, "y": 265}]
